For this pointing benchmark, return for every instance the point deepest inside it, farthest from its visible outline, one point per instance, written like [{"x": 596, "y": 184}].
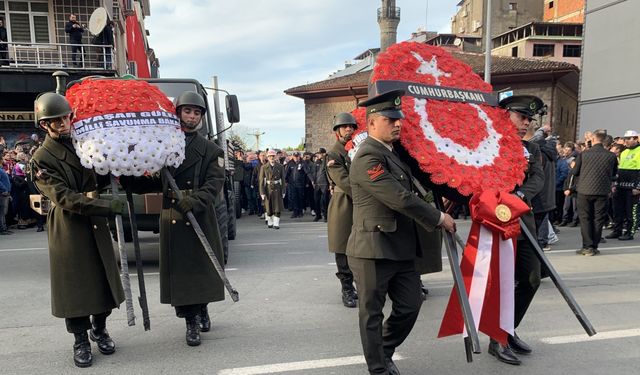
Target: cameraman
[{"x": 75, "y": 30}]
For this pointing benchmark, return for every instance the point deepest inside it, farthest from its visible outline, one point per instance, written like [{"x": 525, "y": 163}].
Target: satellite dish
[{"x": 98, "y": 21}]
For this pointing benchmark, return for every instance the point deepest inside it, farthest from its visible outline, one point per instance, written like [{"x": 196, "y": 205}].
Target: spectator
[
  {"x": 4, "y": 47},
  {"x": 562, "y": 171},
  {"x": 21, "y": 193},
  {"x": 106, "y": 40},
  {"x": 597, "y": 169},
  {"x": 5, "y": 201},
  {"x": 627, "y": 189},
  {"x": 321, "y": 186},
  {"x": 75, "y": 30},
  {"x": 569, "y": 208}
]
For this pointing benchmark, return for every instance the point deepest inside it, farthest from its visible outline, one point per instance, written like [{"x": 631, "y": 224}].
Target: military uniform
[
  {"x": 271, "y": 187},
  {"x": 383, "y": 244}
]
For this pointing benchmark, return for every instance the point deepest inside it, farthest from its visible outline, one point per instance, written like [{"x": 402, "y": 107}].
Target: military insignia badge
[
  {"x": 398, "y": 101},
  {"x": 375, "y": 172},
  {"x": 220, "y": 162},
  {"x": 503, "y": 213}
]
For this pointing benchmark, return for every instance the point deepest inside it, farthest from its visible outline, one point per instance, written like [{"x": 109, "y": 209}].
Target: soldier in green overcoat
[
  {"x": 84, "y": 273},
  {"x": 271, "y": 183},
  {"x": 339, "y": 218},
  {"x": 188, "y": 279},
  {"x": 383, "y": 244}
]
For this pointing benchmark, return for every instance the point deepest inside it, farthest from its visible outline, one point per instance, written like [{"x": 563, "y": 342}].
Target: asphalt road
[{"x": 290, "y": 318}]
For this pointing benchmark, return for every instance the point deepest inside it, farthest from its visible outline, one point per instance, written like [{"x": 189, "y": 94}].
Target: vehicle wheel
[
  {"x": 238, "y": 194},
  {"x": 223, "y": 220}
]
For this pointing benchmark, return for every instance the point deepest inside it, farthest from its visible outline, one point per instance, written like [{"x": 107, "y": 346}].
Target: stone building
[
  {"x": 556, "y": 83},
  {"x": 505, "y": 15}
]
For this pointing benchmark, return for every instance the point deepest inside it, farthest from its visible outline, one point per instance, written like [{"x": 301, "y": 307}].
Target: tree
[{"x": 238, "y": 140}]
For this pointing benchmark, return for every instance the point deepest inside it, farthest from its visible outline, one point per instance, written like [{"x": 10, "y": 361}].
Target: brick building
[
  {"x": 556, "y": 83},
  {"x": 564, "y": 11}
]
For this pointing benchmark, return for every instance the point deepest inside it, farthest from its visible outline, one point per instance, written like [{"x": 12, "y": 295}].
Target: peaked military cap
[
  {"x": 387, "y": 104},
  {"x": 526, "y": 105}
]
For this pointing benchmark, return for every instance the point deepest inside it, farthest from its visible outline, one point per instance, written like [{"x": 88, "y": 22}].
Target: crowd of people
[
  {"x": 307, "y": 189},
  {"x": 16, "y": 185}
]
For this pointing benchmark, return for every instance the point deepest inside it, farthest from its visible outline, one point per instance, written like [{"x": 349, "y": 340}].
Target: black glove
[
  {"x": 119, "y": 207},
  {"x": 184, "y": 205}
]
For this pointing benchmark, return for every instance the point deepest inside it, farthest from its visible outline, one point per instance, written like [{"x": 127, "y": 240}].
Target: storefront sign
[{"x": 16, "y": 117}]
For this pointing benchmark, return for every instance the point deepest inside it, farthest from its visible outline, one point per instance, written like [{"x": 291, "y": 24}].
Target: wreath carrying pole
[
  {"x": 557, "y": 280},
  {"x": 124, "y": 265},
  {"x": 142, "y": 299},
  {"x": 203, "y": 239},
  {"x": 471, "y": 342}
]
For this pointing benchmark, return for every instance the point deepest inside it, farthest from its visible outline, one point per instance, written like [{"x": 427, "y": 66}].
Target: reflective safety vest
[{"x": 630, "y": 159}]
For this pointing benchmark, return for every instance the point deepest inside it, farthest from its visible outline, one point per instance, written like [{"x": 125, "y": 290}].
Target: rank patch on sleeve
[
  {"x": 221, "y": 162},
  {"x": 375, "y": 172}
]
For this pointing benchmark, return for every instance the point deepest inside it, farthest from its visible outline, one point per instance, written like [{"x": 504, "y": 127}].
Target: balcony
[
  {"x": 57, "y": 56},
  {"x": 389, "y": 13}
]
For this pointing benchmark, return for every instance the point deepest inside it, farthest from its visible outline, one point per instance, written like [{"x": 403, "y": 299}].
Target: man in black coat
[
  {"x": 75, "y": 30},
  {"x": 522, "y": 109},
  {"x": 4, "y": 56},
  {"x": 597, "y": 168},
  {"x": 321, "y": 186}
]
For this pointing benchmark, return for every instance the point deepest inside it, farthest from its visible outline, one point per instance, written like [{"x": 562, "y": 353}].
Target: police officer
[
  {"x": 85, "y": 283},
  {"x": 521, "y": 110},
  {"x": 383, "y": 244},
  {"x": 627, "y": 188},
  {"x": 272, "y": 189},
  {"x": 341, "y": 205},
  {"x": 188, "y": 279}
]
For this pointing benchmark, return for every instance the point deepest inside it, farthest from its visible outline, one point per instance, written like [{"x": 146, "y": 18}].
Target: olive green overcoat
[
  {"x": 271, "y": 182},
  {"x": 84, "y": 273},
  {"x": 339, "y": 217}
]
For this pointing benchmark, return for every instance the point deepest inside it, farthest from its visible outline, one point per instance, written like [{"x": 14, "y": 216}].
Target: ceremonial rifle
[
  {"x": 203, "y": 239},
  {"x": 471, "y": 342},
  {"x": 562, "y": 288},
  {"x": 124, "y": 265},
  {"x": 142, "y": 299}
]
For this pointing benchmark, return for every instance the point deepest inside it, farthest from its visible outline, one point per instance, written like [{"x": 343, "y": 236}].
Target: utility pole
[{"x": 257, "y": 134}]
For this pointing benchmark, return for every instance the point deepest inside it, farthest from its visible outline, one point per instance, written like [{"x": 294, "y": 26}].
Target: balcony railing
[
  {"x": 390, "y": 12},
  {"x": 57, "y": 55}
]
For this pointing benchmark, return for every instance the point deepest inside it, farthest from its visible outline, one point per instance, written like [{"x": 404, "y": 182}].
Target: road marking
[
  {"x": 298, "y": 366},
  {"x": 600, "y": 336},
  {"x": 24, "y": 249},
  {"x": 260, "y": 244}
]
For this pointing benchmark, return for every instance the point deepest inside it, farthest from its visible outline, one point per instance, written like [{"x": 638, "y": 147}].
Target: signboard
[{"x": 16, "y": 117}]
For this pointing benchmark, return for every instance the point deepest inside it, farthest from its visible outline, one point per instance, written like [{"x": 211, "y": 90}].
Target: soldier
[
  {"x": 321, "y": 185},
  {"x": 522, "y": 109},
  {"x": 85, "y": 284},
  {"x": 188, "y": 279},
  {"x": 341, "y": 205},
  {"x": 383, "y": 244},
  {"x": 272, "y": 189}
]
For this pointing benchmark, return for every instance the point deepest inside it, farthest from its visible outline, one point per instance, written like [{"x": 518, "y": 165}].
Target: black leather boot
[
  {"x": 82, "y": 350},
  {"x": 101, "y": 337},
  {"x": 193, "y": 331},
  {"x": 347, "y": 297},
  {"x": 205, "y": 322}
]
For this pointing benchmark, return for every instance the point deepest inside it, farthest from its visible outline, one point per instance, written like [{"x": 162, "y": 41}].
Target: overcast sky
[{"x": 259, "y": 48}]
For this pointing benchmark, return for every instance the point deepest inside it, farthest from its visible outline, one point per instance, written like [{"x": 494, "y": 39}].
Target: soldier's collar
[{"x": 386, "y": 145}]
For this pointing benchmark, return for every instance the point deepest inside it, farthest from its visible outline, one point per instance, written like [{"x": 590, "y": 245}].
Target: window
[
  {"x": 514, "y": 52},
  {"x": 26, "y": 21},
  {"x": 570, "y": 50},
  {"x": 513, "y": 6},
  {"x": 543, "y": 50},
  {"x": 550, "y": 4}
]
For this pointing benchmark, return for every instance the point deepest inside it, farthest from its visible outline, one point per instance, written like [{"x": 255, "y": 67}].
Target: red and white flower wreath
[{"x": 469, "y": 147}]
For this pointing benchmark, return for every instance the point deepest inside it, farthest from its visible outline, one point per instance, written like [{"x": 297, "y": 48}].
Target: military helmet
[
  {"x": 50, "y": 105},
  {"x": 191, "y": 98},
  {"x": 344, "y": 118}
]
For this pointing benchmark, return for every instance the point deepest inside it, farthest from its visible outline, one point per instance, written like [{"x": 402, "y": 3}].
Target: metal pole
[
  {"x": 124, "y": 265},
  {"x": 562, "y": 287},
  {"x": 487, "y": 44},
  {"x": 142, "y": 299}
]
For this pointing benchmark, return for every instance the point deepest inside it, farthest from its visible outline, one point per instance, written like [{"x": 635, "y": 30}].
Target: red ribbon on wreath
[{"x": 488, "y": 266}]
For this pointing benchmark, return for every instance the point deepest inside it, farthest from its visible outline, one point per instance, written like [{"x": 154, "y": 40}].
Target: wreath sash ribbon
[
  {"x": 488, "y": 266},
  {"x": 420, "y": 90}
]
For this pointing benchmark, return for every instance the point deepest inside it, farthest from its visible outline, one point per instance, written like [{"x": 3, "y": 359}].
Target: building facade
[
  {"x": 542, "y": 40},
  {"x": 571, "y": 11},
  {"x": 610, "y": 79},
  {"x": 505, "y": 15},
  {"x": 38, "y": 45},
  {"x": 556, "y": 83}
]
